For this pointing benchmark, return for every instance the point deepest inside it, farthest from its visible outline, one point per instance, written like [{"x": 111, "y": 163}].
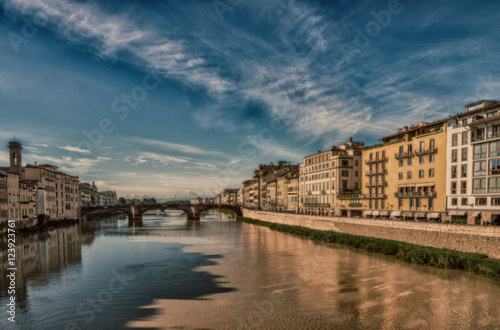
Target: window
[
  {"x": 463, "y": 187},
  {"x": 453, "y": 201},
  {"x": 345, "y": 163},
  {"x": 412, "y": 203},
  {"x": 421, "y": 173},
  {"x": 431, "y": 172},
  {"x": 356, "y": 163},
  {"x": 400, "y": 175},
  {"x": 431, "y": 158},
  {"x": 464, "y": 122},
  {"x": 421, "y": 159},
  {"x": 464, "y": 171},
  {"x": 495, "y": 201},
  {"x": 453, "y": 188},
  {"x": 494, "y": 185},
  {"x": 453, "y": 172},
  {"x": 408, "y": 175},
  {"x": 400, "y": 163},
  {"x": 479, "y": 186},
  {"x": 495, "y": 149},
  {"x": 454, "y": 155},
  {"x": 431, "y": 204},
  {"x": 480, "y": 150},
  {"x": 345, "y": 173},
  {"x": 480, "y": 168},
  {"x": 333, "y": 163},
  {"x": 422, "y": 146},
  {"x": 495, "y": 166},
  {"x": 410, "y": 149},
  {"x": 409, "y": 161},
  {"x": 401, "y": 150},
  {"x": 481, "y": 201},
  {"x": 464, "y": 201},
  {"x": 454, "y": 140},
  {"x": 465, "y": 138},
  {"x": 400, "y": 204},
  {"x": 464, "y": 154}
]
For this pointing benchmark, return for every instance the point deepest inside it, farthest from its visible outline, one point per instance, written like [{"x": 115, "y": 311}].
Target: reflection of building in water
[{"x": 41, "y": 254}]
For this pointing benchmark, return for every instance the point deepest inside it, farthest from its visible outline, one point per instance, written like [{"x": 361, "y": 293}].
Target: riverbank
[
  {"x": 416, "y": 254},
  {"x": 51, "y": 224}
]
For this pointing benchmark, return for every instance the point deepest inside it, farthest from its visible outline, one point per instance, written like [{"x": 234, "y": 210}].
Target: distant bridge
[{"x": 135, "y": 212}]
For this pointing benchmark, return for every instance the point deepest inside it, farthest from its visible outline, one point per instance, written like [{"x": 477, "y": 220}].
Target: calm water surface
[{"x": 219, "y": 274}]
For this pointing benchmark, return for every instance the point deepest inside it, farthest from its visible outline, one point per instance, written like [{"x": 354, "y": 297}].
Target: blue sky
[{"x": 183, "y": 98}]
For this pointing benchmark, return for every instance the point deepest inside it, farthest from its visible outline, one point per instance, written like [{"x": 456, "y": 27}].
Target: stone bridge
[{"x": 135, "y": 212}]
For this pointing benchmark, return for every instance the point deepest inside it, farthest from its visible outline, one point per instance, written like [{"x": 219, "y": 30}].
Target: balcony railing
[
  {"x": 429, "y": 151},
  {"x": 416, "y": 194},
  {"x": 485, "y": 137},
  {"x": 316, "y": 204},
  {"x": 376, "y": 171},
  {"x": 376, "y": 160},
  {"x": 355, "y": 205},
  {"x": 374, "y": 196},
  {"x": 407, "y": 154},
  {"x": 376, "y": 184}
]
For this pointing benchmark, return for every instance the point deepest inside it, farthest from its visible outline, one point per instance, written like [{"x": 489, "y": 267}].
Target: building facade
[
  {"x": 404, "y": 176},
  {"x": 473, "y": 181},
  {"x": 327, "y": 174}
]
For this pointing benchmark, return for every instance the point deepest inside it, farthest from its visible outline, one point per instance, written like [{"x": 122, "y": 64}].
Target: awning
[
  {"x": 433, "y": 215},
  {"x": 460, "y": 213},
  {"x": 375, "y": 213},
  {"x": 406, "y": 185},
  {"x": 475, "y": 214},
  {"x": 384, "y": 213},
  {"x": 407, "y": 214},
  {"x": 428, "y": 184},
  {"x": 365, "y": 213},
  {"x": 420, "y": 214},
  {"x": 396, "y": 213}
]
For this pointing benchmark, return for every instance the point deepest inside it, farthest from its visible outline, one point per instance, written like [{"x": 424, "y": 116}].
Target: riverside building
[
  {"x": 326, "y": 174},
  {"x": 473, "y": 181},
  {"x": 404, "y": 176}
]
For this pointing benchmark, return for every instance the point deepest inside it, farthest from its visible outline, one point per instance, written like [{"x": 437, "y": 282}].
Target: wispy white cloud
[{"x": 75, "y": 149}]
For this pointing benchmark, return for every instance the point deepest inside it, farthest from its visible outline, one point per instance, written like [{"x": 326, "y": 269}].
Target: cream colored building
[{"x": 326, "y": 174}]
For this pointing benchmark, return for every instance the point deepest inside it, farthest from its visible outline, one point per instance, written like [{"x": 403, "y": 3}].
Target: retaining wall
[{"x": 465, "y": 238}]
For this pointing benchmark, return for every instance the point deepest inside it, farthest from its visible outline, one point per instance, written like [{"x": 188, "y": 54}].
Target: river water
[{"x": 167, "y": 273}]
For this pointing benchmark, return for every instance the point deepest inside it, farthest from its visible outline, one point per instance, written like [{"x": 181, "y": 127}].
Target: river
[{"x": 220, "y": 274}]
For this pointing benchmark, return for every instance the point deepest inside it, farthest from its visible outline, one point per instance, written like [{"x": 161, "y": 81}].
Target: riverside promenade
[{"x": 464, "y": 238}]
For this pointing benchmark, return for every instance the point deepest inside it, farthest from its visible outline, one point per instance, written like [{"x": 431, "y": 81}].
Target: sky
[{"x": 185, "y": 98}]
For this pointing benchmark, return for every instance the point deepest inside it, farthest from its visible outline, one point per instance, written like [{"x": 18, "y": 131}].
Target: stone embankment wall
[{"x": 465, "y": 238}]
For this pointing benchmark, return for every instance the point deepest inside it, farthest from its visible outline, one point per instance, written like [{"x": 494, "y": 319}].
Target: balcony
[
  {"x": 429, "y": 151},
  {"x": 323, "y": 192},
  {"x": 316, "y": 204},
  {"x": 376, "y": 172},
  {"x": 416, "y": 194},
  {"x": 376, "y": 160},
  {"x": 350, "y": 196},
  {"x": 485, "y": 137},
  {"x": 407, "y": 154},
  {"x": 355, "y": 205},
  {"x": 376, "y": 184},
  {"x": 371, "y": 196}
]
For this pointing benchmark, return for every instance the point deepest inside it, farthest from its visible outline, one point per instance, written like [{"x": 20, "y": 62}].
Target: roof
[
  {"x": 484, "y": 120},
  {"x": 486, "y": 108},
  {"x": 415, "y": 128}
]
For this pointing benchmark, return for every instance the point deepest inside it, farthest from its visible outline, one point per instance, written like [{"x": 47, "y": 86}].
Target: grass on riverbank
[
  {"x": 415, "y": 254},
  {"x": 228, "y": 212}
]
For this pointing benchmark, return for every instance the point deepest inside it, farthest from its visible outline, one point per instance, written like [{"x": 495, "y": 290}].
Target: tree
[{"x": 122, "y": 201}]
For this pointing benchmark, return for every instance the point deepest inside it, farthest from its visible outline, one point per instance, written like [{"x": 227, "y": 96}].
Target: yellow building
[
  {"x": 405, "y": 175},
  {"x": 67, "y": 196}
]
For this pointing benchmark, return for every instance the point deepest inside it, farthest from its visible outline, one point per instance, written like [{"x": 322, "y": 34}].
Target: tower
[{"x": 15, "y": 157}]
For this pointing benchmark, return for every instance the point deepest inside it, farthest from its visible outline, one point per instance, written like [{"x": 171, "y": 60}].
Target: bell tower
[{"x": 16, "y": 164}]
